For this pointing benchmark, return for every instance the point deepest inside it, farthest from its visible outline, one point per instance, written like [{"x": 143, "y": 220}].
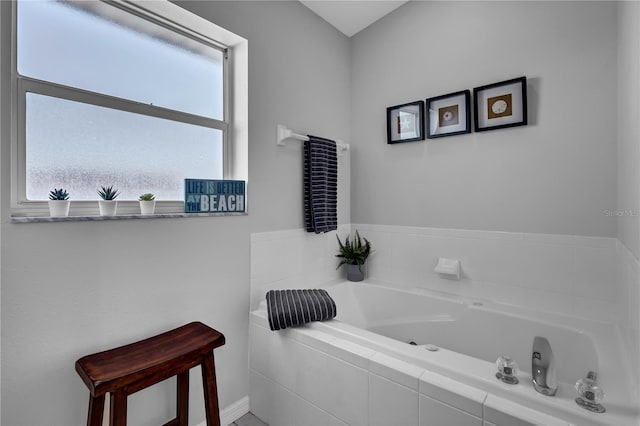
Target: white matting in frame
[
  {"x": 405, "y": 122},
  {"x": 449, "y": 115},
  {"x": 501, "y": 105}
]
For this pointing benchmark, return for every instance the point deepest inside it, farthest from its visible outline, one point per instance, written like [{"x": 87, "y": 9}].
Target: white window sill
[{"x": 40, "y": 219}]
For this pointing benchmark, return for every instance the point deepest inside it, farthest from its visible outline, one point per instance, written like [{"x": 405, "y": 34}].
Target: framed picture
[
  {"x": 501, "y": 105},
  {"x": 405, "y": 122},
  {"x": 449, "y": 115}
]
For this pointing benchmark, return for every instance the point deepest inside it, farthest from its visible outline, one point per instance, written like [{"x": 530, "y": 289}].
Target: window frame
[{"x": 174, "y": 18}]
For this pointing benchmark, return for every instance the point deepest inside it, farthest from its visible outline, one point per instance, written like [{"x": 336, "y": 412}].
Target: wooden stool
[{"x": 128, "y": 369}]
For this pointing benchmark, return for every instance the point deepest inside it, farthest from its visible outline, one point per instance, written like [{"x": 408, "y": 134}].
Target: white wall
[
  {"x": 628, "y": 249},
  {"x": 299, "y": 76},
  {"x": 69, "y": 289},
  {"x": 557, "y": 175},
  {"x": 629, "y": 125}
]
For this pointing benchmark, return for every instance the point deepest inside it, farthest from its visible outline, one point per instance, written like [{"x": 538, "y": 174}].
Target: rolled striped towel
[{"x": 289, "y": 308}]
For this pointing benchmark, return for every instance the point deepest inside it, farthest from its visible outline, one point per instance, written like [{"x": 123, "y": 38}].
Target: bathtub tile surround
[
  {"x": 395, "y": 370},
  {"x": 390, "y": 403},
  {"x": 292, "y": 259},
  {"x": 434, "y": 412},
  {"x": 584, "y": 277},
  {"x": 331, "y": 391},
  {"x": 568, "y": 276},
  {"x": 629, "y": 277},
  {"x": 556, "y": 273},
  {"x": 501, "y": 411},
  {"x": 450, "y": 392}
]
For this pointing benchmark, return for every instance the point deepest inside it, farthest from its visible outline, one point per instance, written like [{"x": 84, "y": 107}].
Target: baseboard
[{"x": 232, "y": 412}]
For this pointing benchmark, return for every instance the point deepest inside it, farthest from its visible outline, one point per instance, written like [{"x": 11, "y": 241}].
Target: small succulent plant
[
  {"x": 353, "y": 252},
  {"x": 108, "y": 193},
  {"x": 147, "y": 197},
  {"x": 58, "y": 194}
]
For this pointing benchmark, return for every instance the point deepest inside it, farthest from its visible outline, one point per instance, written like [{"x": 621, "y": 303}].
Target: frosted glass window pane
[
  {"x": 80, "y": 147},
  {"x": 68, "y": 45}
]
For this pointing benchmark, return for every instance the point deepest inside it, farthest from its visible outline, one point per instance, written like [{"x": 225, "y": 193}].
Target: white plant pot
[
  {"x": 59, "y": 208},
  {"x": 147, "y": 207},
  {"x": 108, "y": 207}
]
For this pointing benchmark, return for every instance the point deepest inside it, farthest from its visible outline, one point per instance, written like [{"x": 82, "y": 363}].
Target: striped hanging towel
[
  {"x": 320, "y": 185},
  {"x": 289, "y": 308}
]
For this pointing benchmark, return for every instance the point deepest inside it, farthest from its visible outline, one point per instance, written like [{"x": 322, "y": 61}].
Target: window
[{"x": 121, "y": 94}]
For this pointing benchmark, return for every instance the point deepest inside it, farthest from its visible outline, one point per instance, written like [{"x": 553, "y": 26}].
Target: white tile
[
  {"x": 315, "y": 338},
  {"x": 478, "y": 260},
  {"x": 259, "y": 395},
  {"x": 312, "y": 381},
  {"x": 433, "y": 247},
  {"x": 408, "y": 251},
  {"x": 282, "y": 355},
  {"x": 308, "y": 414},
  {"x": 549, "y": 267},
  {"x": 379, "y": 263},
  {"x": 596, "y": 274},
  {"x": 314, "y": 254},
  {"x": 434, "y": 413},
  {"x": 451, "y": 392},
  {"x": 259, "y": 319},
  {"x": 632, "y": 290},
  {"x": 282, "y": 409},
  {"x": 570, "y": 240},
  {"x": 337, "y": 387},
  {"x": 503, "y": 412},
  {"x": 268, "y": 263},
  {"x": 348, "y": 392},
  {"x": 259, "y": 341},
  {"x": 395, "y": 370},
  {"x": 391, "y": 404},
  {"x": 351, "y": 353},
  {"x": 507, "y": 260}
]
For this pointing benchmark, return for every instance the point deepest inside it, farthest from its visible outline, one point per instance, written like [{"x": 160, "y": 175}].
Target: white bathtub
[{"x": 378, "y": 321}]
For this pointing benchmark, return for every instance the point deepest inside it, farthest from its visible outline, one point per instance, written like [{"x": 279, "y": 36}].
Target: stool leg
[
  {"x": 96, "y": 410},
  {"x": 118, "y": 415},
  {"x": 183, "y": 399},
  {"x": 210, "y": 389}
]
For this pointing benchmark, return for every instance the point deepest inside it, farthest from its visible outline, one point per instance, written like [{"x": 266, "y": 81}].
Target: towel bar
[{"x": 283, "y": 133}]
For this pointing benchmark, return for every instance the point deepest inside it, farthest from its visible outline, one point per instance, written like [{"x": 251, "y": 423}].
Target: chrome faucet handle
[{"x": 543, "y": 367}]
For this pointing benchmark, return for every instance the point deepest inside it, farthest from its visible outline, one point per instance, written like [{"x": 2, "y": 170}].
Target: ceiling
[{"x": 349, "y": 16}]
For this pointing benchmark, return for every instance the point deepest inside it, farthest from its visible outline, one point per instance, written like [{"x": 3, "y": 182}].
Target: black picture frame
[
  {"x": 500, "y": 105},
  {"x": 405, "y": 123},
  {"x": 449, "y": 115}
]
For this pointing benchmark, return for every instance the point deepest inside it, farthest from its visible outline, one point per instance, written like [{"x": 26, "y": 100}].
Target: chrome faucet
[{"x": 543, "y": 367}]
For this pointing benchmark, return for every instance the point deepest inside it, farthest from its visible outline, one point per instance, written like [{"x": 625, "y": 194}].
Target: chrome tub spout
[{"x": 543, "y": 367}]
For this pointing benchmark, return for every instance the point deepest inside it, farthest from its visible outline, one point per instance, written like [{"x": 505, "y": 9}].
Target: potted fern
[
  {"x": 353, "y": 254},
  {"x": 147, "y": 203},
  {"x": 108, "y": 204},
  {"x": 59, "y": 203}
]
